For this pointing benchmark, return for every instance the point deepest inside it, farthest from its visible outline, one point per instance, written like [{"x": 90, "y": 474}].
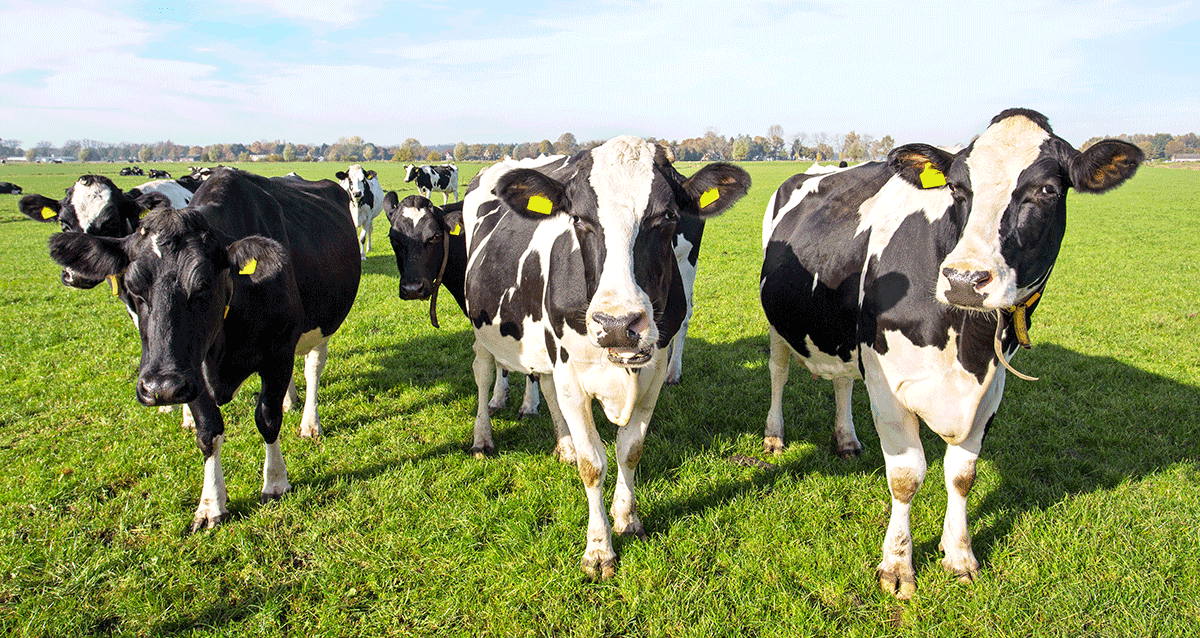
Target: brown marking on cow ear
[
  {"x": 1105, "y": 166},
  {"x": 589, "y": 473},
  {"x": 911, "y": 160},
  {"x": 965, "y": 480},
  {"x": 904, "y": 485}
]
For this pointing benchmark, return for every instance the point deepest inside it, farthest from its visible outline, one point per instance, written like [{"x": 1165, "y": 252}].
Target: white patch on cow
[
  {"x": 179, "y": 196},
  {"x": 414, "y": 215},
  {"x": 275, "y": 478},
  {"x": 89, "y": 201},
  {"x": 213, "y": 495},
  {"x": 154, "y": 245},
  {"x": 883, "y": 213},
  {"x": 309, "y": 340},
  {"x": 996, "y": 161}
]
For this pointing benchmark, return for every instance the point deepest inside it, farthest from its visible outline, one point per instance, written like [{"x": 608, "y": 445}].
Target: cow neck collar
[
  {"x": 437, "y": 283},
  {"x": 1019, "y": 317}
]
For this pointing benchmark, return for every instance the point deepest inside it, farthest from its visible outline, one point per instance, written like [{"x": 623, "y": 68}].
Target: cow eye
[
  {"x": 1049, "y": 190},
  {"x": 433, "y": 239}
]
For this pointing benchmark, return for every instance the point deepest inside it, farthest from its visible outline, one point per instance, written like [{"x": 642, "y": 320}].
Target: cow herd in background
[{"x": 918, "y": 275}]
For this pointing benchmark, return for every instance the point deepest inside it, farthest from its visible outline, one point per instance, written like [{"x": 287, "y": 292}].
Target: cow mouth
[{"x": 630, "y": 357}]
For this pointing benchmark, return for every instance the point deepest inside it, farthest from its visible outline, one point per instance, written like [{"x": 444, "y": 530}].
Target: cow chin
[{"x": 630, "y": 357}]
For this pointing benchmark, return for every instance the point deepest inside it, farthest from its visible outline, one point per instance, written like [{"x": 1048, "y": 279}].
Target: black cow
[
  {"x": 9, "y": 188},
  {"x": 919, "y": 276},
  {"x": 431, "y": 250},
  {"x": 156, "y": 173},
  {"x": 434, "y": 179},
  {"x": 571, "y": 275},
  {"x": 253, "y": 273}
]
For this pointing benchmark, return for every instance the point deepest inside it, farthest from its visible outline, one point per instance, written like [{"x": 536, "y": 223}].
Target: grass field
[{"x": 1084, "y": 514}]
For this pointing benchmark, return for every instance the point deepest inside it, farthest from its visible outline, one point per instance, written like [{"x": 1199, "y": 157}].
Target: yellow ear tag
[
  {"x": 48, "y": 212},
  {"x": 226, "y": 312},
  {"x": 249, "y": 267},
  {"x": 540, "y": 204},
  {"x": 457, "y": 230},
  {"x": 711, "y": 195},
  {"x": 932, "y": 177},
  {"x": 112, "y": 279}
]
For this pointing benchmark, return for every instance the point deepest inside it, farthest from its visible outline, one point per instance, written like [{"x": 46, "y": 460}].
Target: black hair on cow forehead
[{"x": 1034, "y": 116}]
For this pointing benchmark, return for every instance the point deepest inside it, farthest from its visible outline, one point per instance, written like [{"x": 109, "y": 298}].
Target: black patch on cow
[
  {"x": 551, "y": 348},
  {"x": 563, "y": 355},
  {"x": 566, "y": 291}
]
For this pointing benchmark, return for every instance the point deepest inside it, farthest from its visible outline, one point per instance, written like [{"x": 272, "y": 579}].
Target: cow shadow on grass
[{"x": 1089, "y": 424}]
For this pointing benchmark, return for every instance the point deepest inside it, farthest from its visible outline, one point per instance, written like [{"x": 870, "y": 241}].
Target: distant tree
[
  {"x": 741, "y": 148},
  {"x": 852, "y": 149},
  {"x": 775, "y": 148},
  {"x": 289, "y": 152},
  {"x": 85, "y": 154},
  {"x": 31, "y": 154},
  {"x": 404, "y": 154},
  {"x": 461, "y": 151},
  {"x": 433, "y": 156},
  {"x": 884, "y": 146},
  {"x": 144, "y": 154},
  {"x": 566, "y": 144},
  {"x": 370, "y": 151},
  {"x": 545, "y": 148}
]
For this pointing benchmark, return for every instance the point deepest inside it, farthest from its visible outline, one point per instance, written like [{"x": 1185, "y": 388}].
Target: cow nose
[
  {"x": 619, "y": 332},
  {"x": 166, "y": 389},
  {"x": 965, "y": 286},
  {"x": 413, "y": 290}
]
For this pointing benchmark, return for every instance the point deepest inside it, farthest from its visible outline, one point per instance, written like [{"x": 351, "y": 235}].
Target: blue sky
[{"x": 311, "y": 71}]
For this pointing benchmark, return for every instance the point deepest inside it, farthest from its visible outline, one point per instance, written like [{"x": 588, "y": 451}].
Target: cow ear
[
  {"x": 341, "y": 175},
  {"x": 257, "y": 257},
  {"x": 371, "y": 174},
  {"x": 531, "y": 194},
  {"x": 391, "y": 204},
  {"x": 714, "y": 188},
  {"x": 921, "y": 165},
  {"x": 92, "y": 257},
  {"x": 1104, "y": 166},
  {"x": 452, "y": 217},
  {"x": 39, "y": 208}
]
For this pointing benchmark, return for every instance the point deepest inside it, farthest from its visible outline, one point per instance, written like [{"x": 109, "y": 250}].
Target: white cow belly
[
  {"x": 308, "y": 341},
  {"x": 828, "y": 366}
]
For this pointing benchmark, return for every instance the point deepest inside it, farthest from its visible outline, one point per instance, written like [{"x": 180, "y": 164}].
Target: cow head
[
  {"x": 623, "y": 209},
  {"x": 175, "y": 278},
  {"x": 1009, "y": 192},
  {"x": 93, "y": 205},
  {"x": 420, "y": 234},
  {"x": 410, "y": 172},
  {"x": 354, "y": 181}
]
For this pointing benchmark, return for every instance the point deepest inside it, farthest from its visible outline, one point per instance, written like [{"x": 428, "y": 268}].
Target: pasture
[{"x": 1084, "y": 514}]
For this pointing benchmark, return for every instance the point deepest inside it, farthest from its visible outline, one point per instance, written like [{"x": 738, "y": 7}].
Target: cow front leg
[
  {"x": 905, "y": 460},
  {"x": 630, "y": 439},
  {"x": 778, "y": 363},
  {"x": 845, "y": 439},
  {"x": 956, "y": 536},
  {"x": 268, "y": 416},
  {"x": 484, "y": 367},
  {"x": 368, "y": 228},
  {"x": 529, "y": 404},
  {"x": 292, "y": 398},
  {"x": 564, "y": 447},
  {"x": 210, "y": 436},
  {"x": 599, "y": 560},
  {"x": 314, "y": 365},
  {"x": 499, "y": 391}
]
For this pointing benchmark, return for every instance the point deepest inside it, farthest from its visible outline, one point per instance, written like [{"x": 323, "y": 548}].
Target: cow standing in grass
[
  {"x": 254, "y": 273},
  {"x": 433, "y": 179},
  {"x": 366, "y": 202},
  {"x": 919, "y": 275},
  {"x": 571, "y": 275}
]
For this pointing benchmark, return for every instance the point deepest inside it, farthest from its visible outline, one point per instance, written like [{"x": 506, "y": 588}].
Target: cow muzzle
[
  {"x": 166, "y": 389},
  {"x": 965, "y": 288},
  {"x": 623, "y": 337},
  {"x": 414, "y": 290}
]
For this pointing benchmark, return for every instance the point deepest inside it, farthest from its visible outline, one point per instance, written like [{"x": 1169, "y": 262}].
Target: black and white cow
[
  {"x": 132, "y": 170},
  {"x": 431, "y": 251},
  {"x": 255, "y": 272},
  {"x": 434, "y": 179},
  {"x": 571, "y": 275},
  {"x": 9, "y": 188},
  {"x": 914, "y": 275},
  {"x": 178, "y": 192},
  {"x": 366, "y": 202},
  {"x": 157, "y": 173},
  {"x": 93, "y": 205}
]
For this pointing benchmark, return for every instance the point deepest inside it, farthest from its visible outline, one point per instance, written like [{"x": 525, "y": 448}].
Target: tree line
[{"x": 712, "y": 146}]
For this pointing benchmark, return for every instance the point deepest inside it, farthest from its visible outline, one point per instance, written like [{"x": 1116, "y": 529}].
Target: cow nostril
[
  {"x": 619, "y": 332},
  {"x": 966, "y": 286}
]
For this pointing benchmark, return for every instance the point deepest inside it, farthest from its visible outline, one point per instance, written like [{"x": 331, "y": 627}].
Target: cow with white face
[
  {"x": 431, "y": 252},
  {"x": 919, "y": 275},
  {"x": 433, "y": 179},
  {"x": 571, "y": 275},
  {"x": 254, "y": 273},
  {"x": 366, "y": 202}
]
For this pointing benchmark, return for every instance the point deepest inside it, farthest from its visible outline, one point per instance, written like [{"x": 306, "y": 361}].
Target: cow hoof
[
  {"x": 773, "y": 445},
  {"x": 527, "y": 412},
  {"x": 673, "y": 380},
  {"x": 635, "y": 530},
  {"x": 565, "y": 454},
  {"x": 493, "y": 408},
  {"x": 207, "y": 521},
  {"x": 599, "y": 566},
  {"x": 483, "y": 451},
  {"x": 270, "y": 497},
  {"x": 310, "y": 432},
  {"x": 900, "y": 584},
  {"x": 848, "y": 452},
  {"x": 964, "y": 571}
]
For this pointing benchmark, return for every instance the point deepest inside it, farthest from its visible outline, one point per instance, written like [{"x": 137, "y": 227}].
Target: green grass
[{"x": 1084, "y": 513}]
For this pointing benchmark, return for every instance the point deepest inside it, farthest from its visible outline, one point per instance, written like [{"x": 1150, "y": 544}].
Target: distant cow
[
  {"x": 366, "y": 202},
  {"x": 132, "y": 170},
  {"x": 430, "y": 249},
  {"x": 919, "y": 275},
  {"x": 434, "y": 179},
  {"x": 571, "y": 275},
  {"x": 8, "y": 188},
  {"x": 176, "y": 191},
  {"x": 254, "y": 273},
  {"x": 156, "y": 173}
]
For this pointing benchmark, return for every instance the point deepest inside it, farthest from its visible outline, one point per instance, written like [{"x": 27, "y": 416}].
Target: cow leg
[
  {"x": 314, "y": 364},
  {"x": 368, "y": 228},
  {"x": 599, "y": 560},
  {"x": 529, "y": 405},
  {"x": 564, "y": 449},
  {"x": 268, "y": 416},
  {"x": 898, "y": 431},
  {"x": 292, "y": 398},
  {"x": 484, "y": 367},
  {"x": 846, "y": 443},
  {"x": 630, "y": 439},
  {"x": 956, "y": 536},
  {"x": 778, "y": 363},
  {"x": 687, "y": 276},
  {"x": 210, "y": 435},
  {"x": 499, "y": 391}
]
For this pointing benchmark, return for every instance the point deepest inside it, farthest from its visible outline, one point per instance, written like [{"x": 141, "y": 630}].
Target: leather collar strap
[
  {"x": 437, "y": 283},
  {"x": 1019, "y": 316}
]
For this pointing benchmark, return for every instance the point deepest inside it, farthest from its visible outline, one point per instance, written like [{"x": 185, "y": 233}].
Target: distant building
[{"x": 1186, "y": 157}]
